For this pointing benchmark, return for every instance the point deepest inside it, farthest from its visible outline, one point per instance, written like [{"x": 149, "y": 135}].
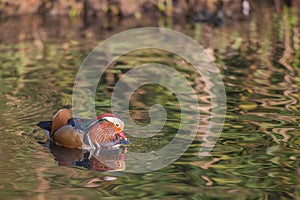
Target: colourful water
[{"x": 256, "y": 156}]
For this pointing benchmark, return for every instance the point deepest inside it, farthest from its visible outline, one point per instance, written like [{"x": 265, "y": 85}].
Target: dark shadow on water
[{"x": 105, "y": 159}]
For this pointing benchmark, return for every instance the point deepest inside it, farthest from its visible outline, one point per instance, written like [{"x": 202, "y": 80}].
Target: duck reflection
[{"x": 104, "y": 159}]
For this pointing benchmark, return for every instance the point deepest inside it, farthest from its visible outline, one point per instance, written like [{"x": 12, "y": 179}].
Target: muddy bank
[{"x": 200, "y": 10}]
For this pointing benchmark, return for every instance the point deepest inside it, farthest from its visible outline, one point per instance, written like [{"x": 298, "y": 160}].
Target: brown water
[{"x": 256, "y": 156}]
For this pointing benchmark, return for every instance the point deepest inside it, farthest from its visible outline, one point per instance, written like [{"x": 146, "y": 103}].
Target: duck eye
[{"x": 117, "y": 125}]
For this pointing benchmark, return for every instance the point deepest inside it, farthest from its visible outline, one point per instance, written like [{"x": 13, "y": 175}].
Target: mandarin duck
[{"x": 104, "y": 131}]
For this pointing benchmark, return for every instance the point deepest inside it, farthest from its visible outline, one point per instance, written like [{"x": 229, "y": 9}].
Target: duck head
[
  {"x": 118, "y": 124},
  {"x": 107, "y": 129}
]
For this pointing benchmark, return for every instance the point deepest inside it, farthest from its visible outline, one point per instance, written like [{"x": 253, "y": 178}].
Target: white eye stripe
[{"x": 116, "y": 121}]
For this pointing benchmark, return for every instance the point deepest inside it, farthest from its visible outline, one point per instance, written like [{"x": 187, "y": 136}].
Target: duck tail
[{"x": 46, "y": 126}]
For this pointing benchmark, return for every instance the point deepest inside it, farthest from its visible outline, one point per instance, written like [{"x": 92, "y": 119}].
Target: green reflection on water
[{"x": 256, "y": 156}]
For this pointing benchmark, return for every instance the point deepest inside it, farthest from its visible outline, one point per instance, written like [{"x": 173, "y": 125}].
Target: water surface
[{"x": 256, "y": 156}]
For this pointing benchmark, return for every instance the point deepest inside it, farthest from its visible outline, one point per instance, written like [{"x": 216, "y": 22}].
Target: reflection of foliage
[
  {"x": 256, "y": 156},
  {"x": 262, "y": 107},
  {"x": 31, "y": 83},
  {"x": 148, "y": 95}
]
